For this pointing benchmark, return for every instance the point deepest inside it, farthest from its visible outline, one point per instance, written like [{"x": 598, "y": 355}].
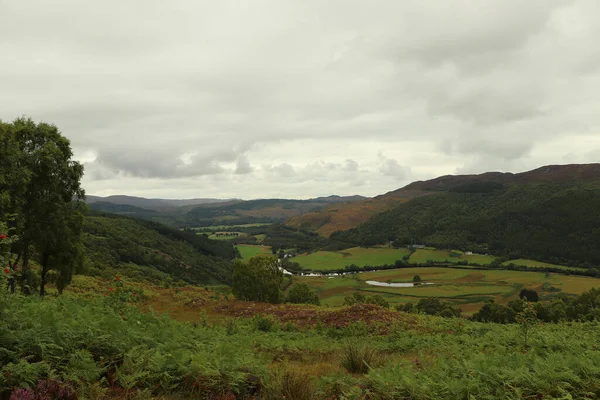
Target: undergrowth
[{"x": 93, "y": 348}]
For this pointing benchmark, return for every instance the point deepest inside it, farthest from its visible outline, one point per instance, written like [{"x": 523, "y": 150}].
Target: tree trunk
[
  {"x": 24, "y": 269},
  {"x": 43, "y": 275}
]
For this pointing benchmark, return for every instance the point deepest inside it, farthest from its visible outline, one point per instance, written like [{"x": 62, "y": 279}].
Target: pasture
[
  {"x": 247, "y": 250},
  {"x": 540, "y": 264},
  {"x": 330, "y": 260},
  {"x": 467, "y": 288},
  {"x": 423, "y": 256}
]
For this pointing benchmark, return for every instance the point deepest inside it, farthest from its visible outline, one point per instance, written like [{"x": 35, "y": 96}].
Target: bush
[
  {"x": 264, "y": 323},
  {"x": 357, "y": 358},
  {"x": 300, "y": 293}
]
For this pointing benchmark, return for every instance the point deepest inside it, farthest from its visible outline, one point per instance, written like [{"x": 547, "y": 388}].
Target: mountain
[
  {"x": 261, "y": 210},
  {"x": 151, "y": 204},
  {"x": 551, "y": 214},
  {"x": 343, "y": 217},
  {"x": 206, "y": 212},
  {"x": 154, "y": 251}
]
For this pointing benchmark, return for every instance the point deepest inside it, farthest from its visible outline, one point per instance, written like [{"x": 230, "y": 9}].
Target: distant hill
[
  {"x": 261, "y": 210},
  {"x": 154, "y": 251},
  {"x": 343, "y": 217},
  {"x": 151, "y": 204},
  {"x": 206, "y": 212},
  {"x": 551, "y": 214}
]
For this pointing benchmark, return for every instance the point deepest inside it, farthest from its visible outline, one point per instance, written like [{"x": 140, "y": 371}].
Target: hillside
[
  {"x": 206, "y": 212},
  {"x": 154, "y": 251},
  {"x": 549, "y": 214},
  {"x": 343, "y": 217},
  {"x": 151, "y": 204}
]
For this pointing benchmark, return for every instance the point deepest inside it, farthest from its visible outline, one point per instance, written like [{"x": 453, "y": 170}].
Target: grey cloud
[
  {"x": 243, "y": 166},
  {"x": 194, "y": 90},
  {"x": 391, "y": 168}
]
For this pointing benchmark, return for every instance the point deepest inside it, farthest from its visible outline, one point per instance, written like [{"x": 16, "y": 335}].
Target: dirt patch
[
  {"x": 475, "y": 277},
  {"x": 305, "y": 316}
]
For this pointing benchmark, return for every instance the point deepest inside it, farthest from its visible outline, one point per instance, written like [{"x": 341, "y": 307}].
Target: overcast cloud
[{"x": 297, "y": 99}]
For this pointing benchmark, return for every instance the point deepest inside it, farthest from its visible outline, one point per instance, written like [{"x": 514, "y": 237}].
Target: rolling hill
[
  {"x": 154, "y": 251},
  {"x": 343, "y": 217},
  {"x": 206, "y": 212},
  {"x": 549, "y": 214}
]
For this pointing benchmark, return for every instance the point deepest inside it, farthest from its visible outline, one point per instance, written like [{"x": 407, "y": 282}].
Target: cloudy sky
[{"x": 287, "y": 98}]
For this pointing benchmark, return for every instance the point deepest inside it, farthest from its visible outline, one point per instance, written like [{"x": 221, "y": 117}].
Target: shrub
[
  {"x": 300, "y": 293},
  {"x": 357, "y": 358},
  {"x": 264, "y": 323}
]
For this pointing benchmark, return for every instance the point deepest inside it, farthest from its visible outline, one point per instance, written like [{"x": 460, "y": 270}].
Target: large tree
[
  {"x": 259, "y": 279},
  {"x": 44, "y": 197}
]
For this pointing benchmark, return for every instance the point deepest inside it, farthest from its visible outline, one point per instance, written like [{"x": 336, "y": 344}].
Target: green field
[
  {"x": 215, "y": 228},
  {"x": 422, "y": 256},
  {"x": 540, "y": 264},
  {"x": 468, "y": 288},
  {"x": 329, "y": 260},
  {"x": 248, "y": 250}
]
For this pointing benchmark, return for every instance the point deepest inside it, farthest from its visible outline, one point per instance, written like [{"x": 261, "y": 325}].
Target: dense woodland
[{"x": 553, "y": 222}]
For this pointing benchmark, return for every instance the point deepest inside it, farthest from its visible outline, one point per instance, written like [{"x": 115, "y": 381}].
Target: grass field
[
  {"x": 329, "y": 260},
  {"x": 221, "y": 227},
  {"x": 215, "y": 236},
  {"x": 247, "y": 250},
  {"x": 540, "y": 264},
  {"x": 422, "y": 256},
  {"x": 468, "y": 288}
]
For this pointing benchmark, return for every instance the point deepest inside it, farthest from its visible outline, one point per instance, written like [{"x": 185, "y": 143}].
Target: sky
[{"x": 298, "y": 99}]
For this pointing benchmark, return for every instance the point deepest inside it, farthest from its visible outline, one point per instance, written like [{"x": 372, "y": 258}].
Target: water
[{"x": 405, "y": 284}]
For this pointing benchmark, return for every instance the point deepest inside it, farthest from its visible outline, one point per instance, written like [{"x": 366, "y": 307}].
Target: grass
[
  {"x": 540, "y": 264},
  {"x": 422, "y": 256},
  {"x": 78, "y": 341},
  {"x": 329, "y": 260},
  {"x": 247, "y": 250},
  {"x": 467, "y": 287},
  {"x": 221, "y": 227},
  {"x": 215, "y": 236}
]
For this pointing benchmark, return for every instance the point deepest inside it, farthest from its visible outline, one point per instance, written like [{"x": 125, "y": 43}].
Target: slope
[
  {"x": 341, "y": 217},
  {"x": 112, "y": 241},
  {"x": 554, "y": 221}
]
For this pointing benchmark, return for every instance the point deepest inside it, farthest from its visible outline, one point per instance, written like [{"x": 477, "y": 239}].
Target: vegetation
[
  {"x": 158, "y": 252},
  {"x": 300, "y": 293},
  {"x": 41, "y": 199},
  {"x": 552, "y": 222},
  {"x": 258, "y": 279}
]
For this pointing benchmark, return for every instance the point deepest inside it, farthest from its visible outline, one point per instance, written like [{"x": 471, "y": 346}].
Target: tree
[
  {"x": 529, "y": 295},
  {"x": 45, "y": 197},
  {"x": 417, "y": 279},
  {"x": 300, "y": 293},
  {"x": 259, "y": 279}
]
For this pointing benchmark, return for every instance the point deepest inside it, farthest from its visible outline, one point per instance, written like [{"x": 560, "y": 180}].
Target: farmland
[
  {"x": 540, "y": 264},
  {"x": 423, "y": 256},
  {"x": 467, "y": 288},
  {"x": 328, "y": 260},
  {"x": 247, "y": 250}
]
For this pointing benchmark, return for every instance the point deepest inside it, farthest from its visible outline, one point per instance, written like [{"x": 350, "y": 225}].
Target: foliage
[
  {"x": 357, "y": 357},
  {"x": 300, "y": 293},
  {"x": 258, "y": 279},
  {"x": 359, "y": 298},
  {"x": 41, "y": 197},
  {"x": 553, "y": 222},
  {"x": 530, "y": 295},
  {"x": 527, "y": 319},
  {"x": 113, "y": 241},
  {"x": 431, "y": 306}
]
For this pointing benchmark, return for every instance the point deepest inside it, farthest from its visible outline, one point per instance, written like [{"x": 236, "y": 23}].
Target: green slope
[
  {"x": 112, "y": 241},
  {"x": 554, "y": 222}
]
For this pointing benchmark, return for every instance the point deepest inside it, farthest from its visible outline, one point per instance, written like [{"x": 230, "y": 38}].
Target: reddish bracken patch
[{"x": 306, "y": 316}]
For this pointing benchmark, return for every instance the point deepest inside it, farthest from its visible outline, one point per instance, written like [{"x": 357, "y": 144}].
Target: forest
[{"x": 553, "y": 222}]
